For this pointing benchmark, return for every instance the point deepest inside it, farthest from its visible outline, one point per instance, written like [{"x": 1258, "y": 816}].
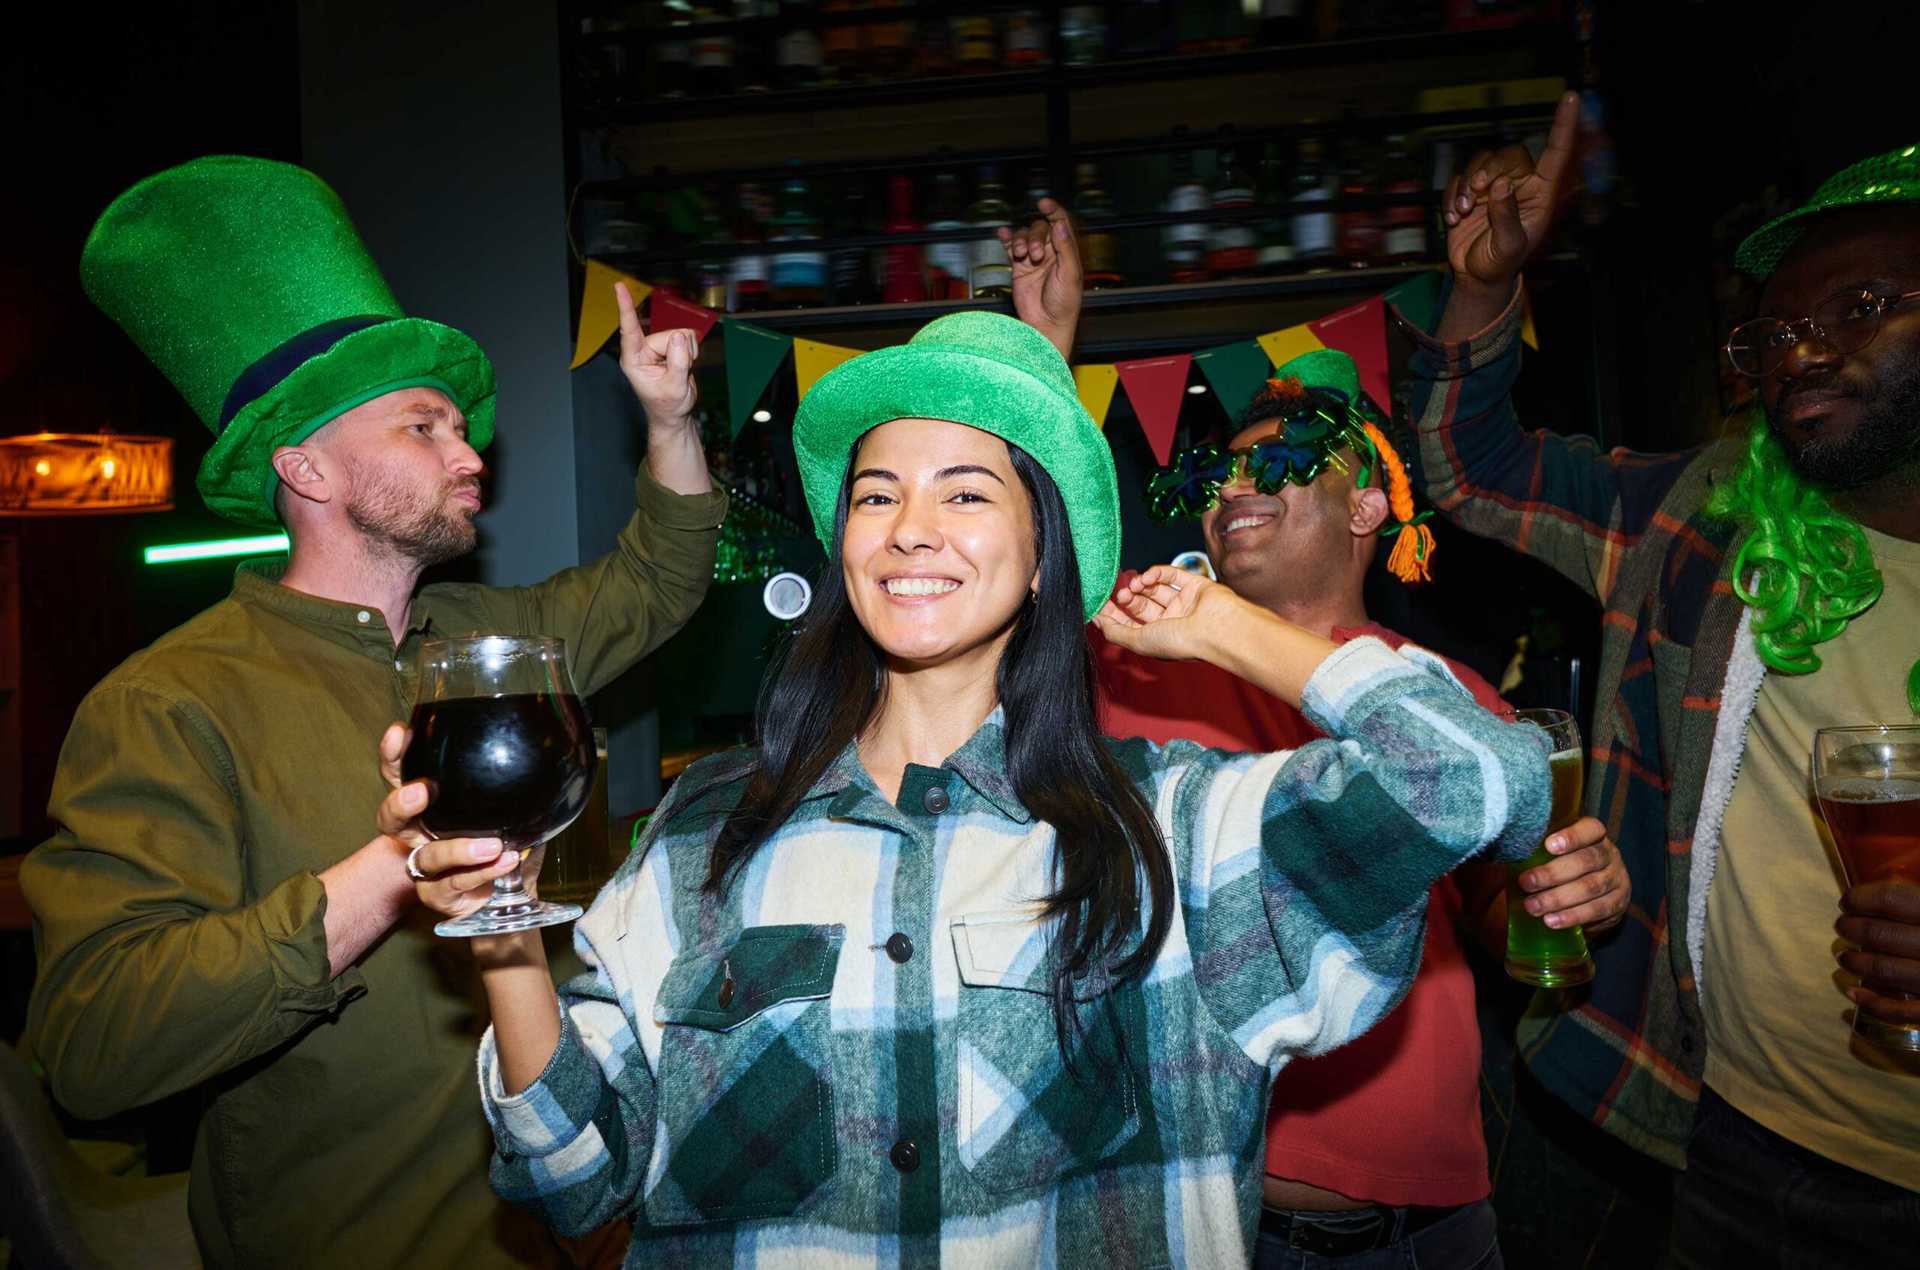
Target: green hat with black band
[
  {"x": 1893, "y": 177},
  {"x": 988, "y": 371},
  {"x": 245, "y": 282}
]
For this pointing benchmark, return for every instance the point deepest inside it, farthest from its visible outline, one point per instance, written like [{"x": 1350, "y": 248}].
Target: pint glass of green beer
[{"x": 1536, "y": 952}]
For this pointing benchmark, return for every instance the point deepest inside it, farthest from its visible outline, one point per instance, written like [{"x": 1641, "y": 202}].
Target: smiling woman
[{"x": 936, "y": 972}]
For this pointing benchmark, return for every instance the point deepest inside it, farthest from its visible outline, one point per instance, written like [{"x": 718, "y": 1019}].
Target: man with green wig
[
  {"x": 1756, "y": 589},
  {"x": 211, "y": 914}
]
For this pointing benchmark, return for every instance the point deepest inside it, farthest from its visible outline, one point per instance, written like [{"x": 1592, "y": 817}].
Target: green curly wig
[{"x": 1804, "y": 568}]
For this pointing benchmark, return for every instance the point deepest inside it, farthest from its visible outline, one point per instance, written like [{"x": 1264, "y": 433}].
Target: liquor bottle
[
  {"x": 1083, "y": 34},
  {"x": 1275, "y": 230},
  {"x": 1026, "y": 40},
  {"x": 799, "y": 266},
  {"x": 753, "y": 46},
  {"x": 905, "y": 280},
  {"x": 1312, "y": 230},
  {"x": 976, "y": 44},
  {"x": 1284, "y": 22},
  {"x": 672, "y": 52},
  {"x": 933, "y": 51},
  {"x": 1185, "y": 244},
  {"x": 851, "y": 269},
  {"x": 1099, "y": 244},
  {"x": 1230, "y": 244},
  {"x": 842, "y": 47},
  {"x": 889, "y": 53},
  {"x": 674, "y": 225},
  {"x": 1405, "y": 238},
  {"x": 710, "y": 260},
  {"x": 949, "y": 264},
  {"x": 1142, "y": 29},
  {"x": 712, "y": 55},
  {"x": 747, "y": 278},
  {"x": 992, "y": 274},
  {"x": 1209, "y": 26},
  {"x": 799, "y": 53},
  {"x": 1359, "y": 228}
]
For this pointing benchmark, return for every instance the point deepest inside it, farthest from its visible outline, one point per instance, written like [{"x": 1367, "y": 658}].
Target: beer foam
[
  {"x": 1564, "y": 756},
  {"x": 1855, "y": 789}
]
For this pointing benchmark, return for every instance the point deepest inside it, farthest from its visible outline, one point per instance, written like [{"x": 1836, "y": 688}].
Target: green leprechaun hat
[{"x": 244, "y": 281}]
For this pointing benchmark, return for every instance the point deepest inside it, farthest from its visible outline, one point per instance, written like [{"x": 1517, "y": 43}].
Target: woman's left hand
[
  {"x": 1153, "y": 613},
  {"x": 1586, "y": 884}
]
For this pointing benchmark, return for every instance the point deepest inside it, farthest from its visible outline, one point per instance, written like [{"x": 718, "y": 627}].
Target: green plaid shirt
[{"x": 851, "y": 1059}]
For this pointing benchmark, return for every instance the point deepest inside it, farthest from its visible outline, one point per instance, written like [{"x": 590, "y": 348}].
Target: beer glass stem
[{"x": 510, "y": 892}]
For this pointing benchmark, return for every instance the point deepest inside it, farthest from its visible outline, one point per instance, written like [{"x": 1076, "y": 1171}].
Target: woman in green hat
[{"x": 934, "y": 973}]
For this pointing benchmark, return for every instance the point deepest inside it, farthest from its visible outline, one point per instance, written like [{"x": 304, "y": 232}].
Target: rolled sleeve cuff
[
  {"x": 293, "y": 926},
  {"x": 1440, "y": 359},
  {"x": 690, "y": 513},
  {"x": 1363, "y": 674},
  {"x": 555, "y": 1110}
]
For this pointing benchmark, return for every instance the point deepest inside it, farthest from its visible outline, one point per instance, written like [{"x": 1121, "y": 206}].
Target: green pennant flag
[
  {"x": 1418, "y": 299},
  {"x": 753, "y": 354},
  {"x": 1236, "y": 372}
]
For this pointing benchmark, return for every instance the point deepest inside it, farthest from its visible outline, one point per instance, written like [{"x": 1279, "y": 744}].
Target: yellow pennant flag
[
  {"x": 1283, "y": 346},
  {"x": 812, "y": 359},
  {"x": 1528, "y": 335},
  {"x": 1095, "y": 384},
  {"x": 600, "y": 309}
]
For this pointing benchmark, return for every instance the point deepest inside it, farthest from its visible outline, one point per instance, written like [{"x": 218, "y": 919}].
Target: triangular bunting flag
[
  {"x": 812, "y": 359},
  {"x": 1156, "y": 386},
  {"x": 1360, "y": 331},
  {"x": 671, "y": 313},
  {"x": 600, "y": 309},
  {"x": 1095, "y": 384},
  {"x": 753, "y": 354},
  {"x": 1418, "y": 300},
  {"x": 1284, "y": 345},
  {"x": 1236, "y": 371}
]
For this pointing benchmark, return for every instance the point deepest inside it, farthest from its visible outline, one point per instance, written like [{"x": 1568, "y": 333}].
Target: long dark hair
[{"x": 828, "y": 685}]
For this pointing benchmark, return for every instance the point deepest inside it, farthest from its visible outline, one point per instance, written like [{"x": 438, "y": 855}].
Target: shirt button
[
  {"x": 905, "y": 1155},
  {"x": 935, "y": 800},
  {"x": 364, "y": 616},
  {"x": 900, "y": 948}
]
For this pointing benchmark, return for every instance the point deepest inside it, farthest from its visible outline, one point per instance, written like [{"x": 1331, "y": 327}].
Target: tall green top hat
[
  {"x": 990, "y": 372},
  {"x": 1893, "y": 177},
  {"x": 246, "y": 284}
]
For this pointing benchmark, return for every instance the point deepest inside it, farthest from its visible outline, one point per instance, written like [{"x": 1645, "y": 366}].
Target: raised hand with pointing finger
[
  {"x": 660, "y": 369},
  {"x": 1047, "y": 284}
]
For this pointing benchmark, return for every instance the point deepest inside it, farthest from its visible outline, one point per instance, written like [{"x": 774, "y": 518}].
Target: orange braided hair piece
[{"x": 1412, "y": 556}]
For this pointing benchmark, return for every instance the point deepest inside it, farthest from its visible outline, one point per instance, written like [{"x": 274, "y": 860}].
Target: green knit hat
[
  {"x": 988, "y": 371},
  {"x": 1893, "y": 177},
  {"x": 247, "y": 285}
]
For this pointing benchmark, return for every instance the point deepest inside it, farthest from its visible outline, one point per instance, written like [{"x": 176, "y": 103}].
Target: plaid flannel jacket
[
  {"x": 850, "y": 1059},
  {"x": 1629, "y": 528}
]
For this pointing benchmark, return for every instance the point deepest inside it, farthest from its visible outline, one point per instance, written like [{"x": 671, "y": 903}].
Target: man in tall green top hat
[
  {"x": 1757, "y": 589},
  {"x": 212, "y": 914}
]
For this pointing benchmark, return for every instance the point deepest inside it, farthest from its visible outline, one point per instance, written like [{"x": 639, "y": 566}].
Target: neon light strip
[{"x": 176, "y": 552}]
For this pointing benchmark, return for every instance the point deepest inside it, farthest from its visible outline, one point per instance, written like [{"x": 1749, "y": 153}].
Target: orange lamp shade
[{"x": 74, "y": 474}]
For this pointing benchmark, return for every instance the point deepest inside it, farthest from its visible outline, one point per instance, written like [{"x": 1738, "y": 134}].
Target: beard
[
  {"x": 1885, "y": 441},
  {"x": 397, "y": 521}
]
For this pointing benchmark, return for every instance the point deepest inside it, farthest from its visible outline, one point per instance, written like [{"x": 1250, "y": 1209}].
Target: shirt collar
[
  {"x": 258, "y": 582},
  {"x": 981, "y": 763}
]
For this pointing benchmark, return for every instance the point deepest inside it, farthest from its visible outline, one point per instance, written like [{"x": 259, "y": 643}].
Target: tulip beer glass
[
  {"x": 1867, "y": 782},
  {"x": 504, "y": 745},
  {"x": 1536, "y": 952}
]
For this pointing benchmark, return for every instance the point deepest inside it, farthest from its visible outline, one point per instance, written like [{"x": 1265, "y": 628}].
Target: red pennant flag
[
  {"x": 671, "y": 313},
  {"x": 1156, "y": 386},
  {"x": 1360, "y": 331}
]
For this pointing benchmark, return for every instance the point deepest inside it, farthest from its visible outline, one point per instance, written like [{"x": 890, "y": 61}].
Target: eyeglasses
[
  {"x": 1191, "y": 482},
  {"x": 1845, "y": 322}
]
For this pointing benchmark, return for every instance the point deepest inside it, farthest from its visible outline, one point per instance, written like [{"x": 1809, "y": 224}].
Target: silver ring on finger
[{"x": 413, "y": 867}]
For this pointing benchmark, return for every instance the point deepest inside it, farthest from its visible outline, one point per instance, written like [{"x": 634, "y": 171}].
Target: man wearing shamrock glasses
[{"x": 1377, "y": 1150}]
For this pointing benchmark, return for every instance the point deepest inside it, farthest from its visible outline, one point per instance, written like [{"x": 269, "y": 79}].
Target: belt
[{"x": 1340, "y": 1234}]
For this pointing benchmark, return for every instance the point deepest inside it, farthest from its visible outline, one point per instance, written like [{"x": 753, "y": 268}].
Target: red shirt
[{"x": 1394, "y": 1117}]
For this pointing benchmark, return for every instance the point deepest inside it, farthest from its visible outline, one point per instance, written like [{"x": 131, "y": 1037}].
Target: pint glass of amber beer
[
  {"x": 1536, "y": 952},
  {"x": 1867, "y": 781}
]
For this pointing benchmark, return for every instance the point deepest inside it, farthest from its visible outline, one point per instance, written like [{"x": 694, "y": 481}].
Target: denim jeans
[
  {"x": 1466, "y": 1240},
  {"x": 1751, "y": 1199}
]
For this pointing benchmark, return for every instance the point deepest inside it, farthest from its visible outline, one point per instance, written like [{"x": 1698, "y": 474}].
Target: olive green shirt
[{"x": 179, "y": 918}]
